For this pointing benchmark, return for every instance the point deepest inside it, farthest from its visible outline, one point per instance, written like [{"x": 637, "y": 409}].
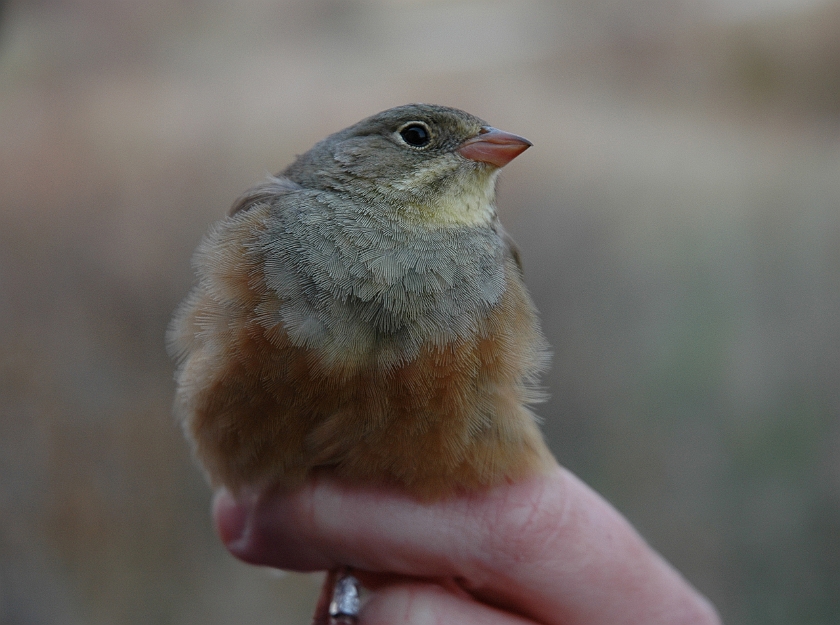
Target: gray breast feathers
[{"x": 353, "y": 280}]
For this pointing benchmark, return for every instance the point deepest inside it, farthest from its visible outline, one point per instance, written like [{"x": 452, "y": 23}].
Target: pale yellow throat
[{"x": 472, "y": 202}]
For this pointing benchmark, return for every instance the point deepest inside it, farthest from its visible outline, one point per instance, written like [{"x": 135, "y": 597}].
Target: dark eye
[{"x": 416, "y": 134}]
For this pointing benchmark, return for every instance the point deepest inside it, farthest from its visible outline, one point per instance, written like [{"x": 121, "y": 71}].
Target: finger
[
  {"x": 548, "y": 548},
  {"x": 421, "y": 604},
  {"x": 246, "y": 526}
]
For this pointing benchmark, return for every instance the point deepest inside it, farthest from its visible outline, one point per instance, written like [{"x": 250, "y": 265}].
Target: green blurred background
[{"x": 679, "y": 218}]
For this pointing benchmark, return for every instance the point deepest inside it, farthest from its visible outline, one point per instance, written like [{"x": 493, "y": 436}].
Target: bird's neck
[{"x": 461, "y": 200}]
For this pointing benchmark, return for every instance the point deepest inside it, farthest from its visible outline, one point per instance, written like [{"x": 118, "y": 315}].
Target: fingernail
[{"x": 231, "y": 519}]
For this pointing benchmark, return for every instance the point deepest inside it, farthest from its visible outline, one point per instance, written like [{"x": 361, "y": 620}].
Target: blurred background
[{"x": 679, "y": 218}]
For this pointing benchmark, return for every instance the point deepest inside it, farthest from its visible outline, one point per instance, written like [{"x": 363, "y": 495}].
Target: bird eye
[{"x": 416, "y": 134}]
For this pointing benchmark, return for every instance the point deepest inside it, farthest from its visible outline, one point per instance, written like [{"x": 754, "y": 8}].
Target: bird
[{"x": 364, "y": 313}]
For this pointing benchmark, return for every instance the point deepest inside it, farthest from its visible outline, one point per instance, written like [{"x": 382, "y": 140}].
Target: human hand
[{"x": 545, "y": 550}]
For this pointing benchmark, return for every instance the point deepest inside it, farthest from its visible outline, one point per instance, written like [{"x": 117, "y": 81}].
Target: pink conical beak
[{"x": 493, "y": 146}]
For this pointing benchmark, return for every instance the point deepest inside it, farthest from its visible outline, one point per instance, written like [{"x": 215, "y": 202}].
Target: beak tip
[{"x": 493, "y": 146}]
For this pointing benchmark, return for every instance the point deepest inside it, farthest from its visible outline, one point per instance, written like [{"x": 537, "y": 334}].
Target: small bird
[{"x": 364, "y": 312}]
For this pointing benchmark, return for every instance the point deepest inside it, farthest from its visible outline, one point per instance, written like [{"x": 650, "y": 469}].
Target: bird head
[{"x": 428, "y": 164}]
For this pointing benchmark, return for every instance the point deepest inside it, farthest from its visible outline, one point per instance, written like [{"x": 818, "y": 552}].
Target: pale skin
[{"x": 545, "y": 550}]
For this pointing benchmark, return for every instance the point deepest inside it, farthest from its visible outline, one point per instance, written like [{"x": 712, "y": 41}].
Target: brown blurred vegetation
[{"x": 679, "y": 218}]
